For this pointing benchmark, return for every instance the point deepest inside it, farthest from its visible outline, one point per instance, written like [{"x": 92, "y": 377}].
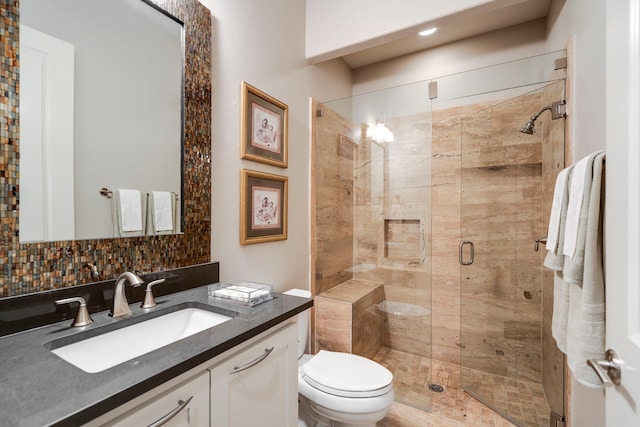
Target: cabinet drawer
[{"x": 184, "y": 405}]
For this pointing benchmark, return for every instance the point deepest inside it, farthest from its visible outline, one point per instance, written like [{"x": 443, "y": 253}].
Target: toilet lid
[{"x": 348, "y": 375}]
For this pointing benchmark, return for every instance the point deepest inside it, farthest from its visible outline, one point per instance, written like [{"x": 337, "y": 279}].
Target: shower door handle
[{"x": 461, "y": 250}]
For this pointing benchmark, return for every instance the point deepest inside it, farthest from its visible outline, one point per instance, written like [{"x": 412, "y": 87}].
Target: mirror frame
[{"x": 35, "y": 267}]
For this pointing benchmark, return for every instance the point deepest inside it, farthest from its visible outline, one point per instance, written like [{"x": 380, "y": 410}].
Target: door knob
[{"x": 607, "y": 368}]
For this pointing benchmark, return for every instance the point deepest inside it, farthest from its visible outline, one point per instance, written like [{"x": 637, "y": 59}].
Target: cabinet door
[
  {"x": 188, "y": 403},
  {"x": 259, "y": 386}
]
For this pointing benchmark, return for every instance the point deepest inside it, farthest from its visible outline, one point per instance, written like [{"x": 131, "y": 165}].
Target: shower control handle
[
  {"x": 461, "y": 250},
  {"x": 538, "y": 241}
]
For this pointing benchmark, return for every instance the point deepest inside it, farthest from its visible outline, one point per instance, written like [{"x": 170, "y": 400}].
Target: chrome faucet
[
  {"x": 120, "y": 305},
  {"x": 149, "y": 300}
]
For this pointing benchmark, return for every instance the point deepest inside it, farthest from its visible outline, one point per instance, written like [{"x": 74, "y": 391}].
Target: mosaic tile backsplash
[{"x": 35, "y": 267}]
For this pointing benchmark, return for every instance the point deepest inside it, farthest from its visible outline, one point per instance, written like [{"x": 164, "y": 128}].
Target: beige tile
[
  {"x": 347, "y": 318},
  {"x": 455, "y": 407}
]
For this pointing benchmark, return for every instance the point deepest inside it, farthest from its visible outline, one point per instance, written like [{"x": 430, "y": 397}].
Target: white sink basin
[{"x": 104, "y": 351}]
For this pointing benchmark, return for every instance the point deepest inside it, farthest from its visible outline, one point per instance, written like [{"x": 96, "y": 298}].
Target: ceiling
[{"x": 468, "y": 23}]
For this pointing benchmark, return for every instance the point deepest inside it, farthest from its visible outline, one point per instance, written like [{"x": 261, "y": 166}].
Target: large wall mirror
[
  {"x": 101, "y": 100},
  {"x": 137, "y": 119}
]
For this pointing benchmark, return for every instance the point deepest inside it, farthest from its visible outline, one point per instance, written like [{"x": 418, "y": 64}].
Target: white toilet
[{"x": 339, "y": 389}]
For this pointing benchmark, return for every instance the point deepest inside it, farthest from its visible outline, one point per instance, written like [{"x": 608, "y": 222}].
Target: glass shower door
[
  {"x": 506, "y": 179},
  {"x": 372, "y": 196}
]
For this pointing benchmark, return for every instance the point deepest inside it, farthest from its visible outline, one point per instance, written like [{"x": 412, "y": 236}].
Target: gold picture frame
[
  {"x": 263, "y": 207},
  {"x": 264, "y": 128}
]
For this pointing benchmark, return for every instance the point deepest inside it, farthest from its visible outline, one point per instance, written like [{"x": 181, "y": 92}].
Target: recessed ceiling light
[{"x": 428, "y": 32}]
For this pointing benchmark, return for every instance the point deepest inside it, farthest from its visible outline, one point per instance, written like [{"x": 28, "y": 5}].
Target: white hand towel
[
  {"x": 162, "y": 210},
  {"x": 130, "y": 210},
  {"x": 556, "y": 208}
]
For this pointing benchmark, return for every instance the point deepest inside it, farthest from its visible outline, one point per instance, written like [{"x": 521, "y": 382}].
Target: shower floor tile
[{"x": 453, "y": 407}]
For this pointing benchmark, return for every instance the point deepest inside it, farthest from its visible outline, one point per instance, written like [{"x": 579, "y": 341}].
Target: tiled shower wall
[{"x": 332, "y": 173}]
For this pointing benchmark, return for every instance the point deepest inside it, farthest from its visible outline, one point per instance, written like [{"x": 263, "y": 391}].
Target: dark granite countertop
[{"x": 41, "y": 389}]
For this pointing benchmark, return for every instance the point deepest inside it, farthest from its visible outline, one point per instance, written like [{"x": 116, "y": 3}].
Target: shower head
[
  {"x": 528, "y": 128},
  {"x": 558, "y": 111}
]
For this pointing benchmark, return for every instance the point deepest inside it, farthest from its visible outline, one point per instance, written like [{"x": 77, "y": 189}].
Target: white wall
[
  {"x": 584, "y": 21},
  {"x": 511, "y": 43},
  {"x": 362, "y": 24},
  {"x": 262, "y": 43}
]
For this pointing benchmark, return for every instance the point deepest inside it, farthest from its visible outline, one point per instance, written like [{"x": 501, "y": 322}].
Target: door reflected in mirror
[{"x": 101, "y": 106}]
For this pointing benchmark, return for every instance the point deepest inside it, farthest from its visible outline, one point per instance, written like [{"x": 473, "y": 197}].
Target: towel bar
[{"x": 108, "y": 193}]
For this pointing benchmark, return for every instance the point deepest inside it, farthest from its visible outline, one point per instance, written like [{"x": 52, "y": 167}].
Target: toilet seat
[{"x": 347, "y": 375}]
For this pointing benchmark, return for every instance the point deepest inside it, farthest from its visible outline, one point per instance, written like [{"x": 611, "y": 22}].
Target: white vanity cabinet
[
  {"x": 252, "y": 384},
  {"x": 186, "y": 405},
  {"x": 258, "y": 386}
]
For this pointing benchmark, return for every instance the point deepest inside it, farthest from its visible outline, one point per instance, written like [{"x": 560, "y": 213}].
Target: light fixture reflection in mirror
[{"x": 117, "y": 121}]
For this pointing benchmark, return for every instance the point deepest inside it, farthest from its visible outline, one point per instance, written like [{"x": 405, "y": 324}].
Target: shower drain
[{"x": 436, "y": 388}]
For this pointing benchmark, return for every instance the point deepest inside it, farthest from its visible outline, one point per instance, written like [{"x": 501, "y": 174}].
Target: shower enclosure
[{"x": 427, "y": 208}]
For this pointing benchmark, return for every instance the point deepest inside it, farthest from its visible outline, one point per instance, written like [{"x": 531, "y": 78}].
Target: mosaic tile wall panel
[{"x": 35, "y": 267}]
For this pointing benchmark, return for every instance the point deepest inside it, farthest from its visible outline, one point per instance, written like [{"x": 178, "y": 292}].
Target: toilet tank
[{"x": 303, "y": 320}]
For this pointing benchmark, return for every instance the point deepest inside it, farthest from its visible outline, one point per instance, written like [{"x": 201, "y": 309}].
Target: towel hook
[{"x": 106, "y": 192}]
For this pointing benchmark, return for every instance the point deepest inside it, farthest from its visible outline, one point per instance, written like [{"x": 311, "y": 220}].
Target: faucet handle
[
  {"x": 149, "y": 300},
  {"x": 82, "y": 315}
]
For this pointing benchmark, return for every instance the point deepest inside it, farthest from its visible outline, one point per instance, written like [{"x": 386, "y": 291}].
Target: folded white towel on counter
[
  {"x": 129, "y": 212},
  {"x": 560, "y": 199},
  {"x": 162, "y": 212}
]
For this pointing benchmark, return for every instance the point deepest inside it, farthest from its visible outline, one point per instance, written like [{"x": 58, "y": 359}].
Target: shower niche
[
  {"x": 446, "y": 170},
  {"x": 401, "y": 240}
]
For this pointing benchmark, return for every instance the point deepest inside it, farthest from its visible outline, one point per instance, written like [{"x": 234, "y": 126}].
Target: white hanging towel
[
  {"x": 129, "y": 210},
  {"x": 578, "y": 322},
  {"x": 555, "y": 260},
  {"x": 161, "y": 210},
  {"x": 585, "y": 277},
  {"x": 556, "y": 208},
  {"x": 576, "y": 194}
]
